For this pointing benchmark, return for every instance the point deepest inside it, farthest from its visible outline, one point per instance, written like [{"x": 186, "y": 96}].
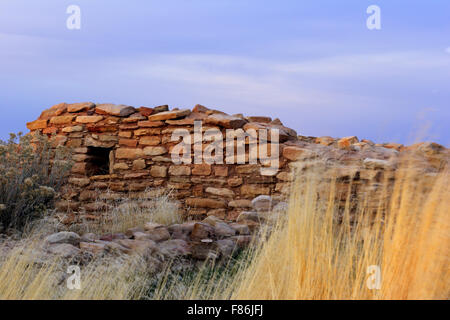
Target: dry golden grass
[
  {"x": 309, "y": 255},
  {"x": 27, "y": 274},
  {"x": 313, "y": 257}
]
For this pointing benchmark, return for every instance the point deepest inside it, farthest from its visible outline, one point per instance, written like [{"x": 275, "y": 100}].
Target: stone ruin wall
[
  {"x": 137, "y": 143},
  {"x": 123, "y": 152}
]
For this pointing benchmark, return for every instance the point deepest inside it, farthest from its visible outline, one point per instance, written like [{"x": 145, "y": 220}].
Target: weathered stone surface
[
  {"x": 221, "y": 171},
  {"x": 347, "y": 142},
  {"x": 181, "y": 231},
  {"x": 241, "y": 229},
  {"x": 284, "y": 134},
  {"x": 295, "y": 153},
  {"x": 63, "y": 237},
  {"x": 150, "y": 140},
  {"x": 377, "y": 164},
  {"x": 254, "y": 190},
  {"x": 80, "y": 182},
  {"x": 175, "y": 247},
  {"x": 79, "y": 168},
  {"x": 201, "y": 169},
  {"x": 180, "y": 170},
  {"x": 225, "y": 121},
  {"x": 205, "y": 203},
  {"x": 72, "y": 129},
  {"x": 285, "y": 176},
  {"x": 326, "y": 140},
  {"x": 150, "y": 124},
  {"x": 158, "y": 171},
  {"x": 145, "y": 111},
  {"x": 132, "y": 143},
  {"x": 38, "y": 124},
  {"x": 235, "y": 181},
  {"x": 129, "y": 153},
  {"x": 167, "y": 115},
  {"x": 259, "y": 119},
  {"x": 91, "y": 142},
  {"x": 203, "y": 250},
  {"x": 242, "y": 241},
  {"x": 262, "y": 203},
  {"x": 115, "y": 110},
  {"x": 223, "y": 192},
  {"x": 226, "y": 247},
  {"x": 88, "y": 119},
  {"x": 56, "y": 110},
  {"x": 200, "y": 109},
  {"x": 159, "y": 234},
  {"x": 125, "y": 134},
  {"x": 249, "y": 215},
  {"x": 242, "y": 203},
  {"x": 162, "y": 108},
  {"x": 77, "y": 107},
  {"x": 138, "y": 246},
  {"x": 93, "y": 247},
  {"x": 65, "y": 250},
  {"x": 121, "y": 166},
  {"x": 62, "y": 120},
  {"x": 154, "y": 151},
  {"x": 135, "y": 117},
  {"x": 202, "y": 231},
  {"x": 139, "y": 164}
]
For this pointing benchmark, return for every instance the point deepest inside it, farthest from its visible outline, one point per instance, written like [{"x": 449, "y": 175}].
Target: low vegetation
[
  {"x": 319, "y": 249},
  {"x": 31, "y": 174}
]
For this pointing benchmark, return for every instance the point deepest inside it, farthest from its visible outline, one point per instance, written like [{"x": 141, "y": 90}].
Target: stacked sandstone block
[
  {"x": 139, "y": 159},
  {"x": 140, "y": 166}
]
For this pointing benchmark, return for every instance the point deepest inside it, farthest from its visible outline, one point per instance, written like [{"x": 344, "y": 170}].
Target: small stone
[
  {"x": 201, "y": 169},
  {"x": 225, "y": 121},
  {"x": 162, "y": 108},
  {"x": 139, "y": 164},
  {"x": 150, "y": 140},
  {"x": 347, "y": 142},
  {"x": 262, "y": 203},
  {"x": 77, "y": 107},
  {"x": 249, "y": 215},
  {"x": 72, "y": 129},
  {"x": 62, "y": 119},
  {"x": 115, "y": 110},
  {"x": 129, "y": 153},
  {"x": 226, "y": 247},
  {"x": 202, "y": 231},
  {"x": 158, "y": 171},
  {"x": 235, "y": 181},
  {"x": 241, "y": 203},
  {"x": 169, "y": 115},
  {"x": 64, "y": 250},
  {"x": 63, "y": 237},
  {"x": 175, "y": 247},
  {"x": 36, "y": 125},
  {"x": 254, "y": 190},
  {"x": 241, "y": 229},
  {"x": 154, "y": 151},
  {"x": 222, "y": 192},
  {"x": 88, "y": 119},
  {"x": 146, "y": 111},
  {"x": 296, "y": 153},
  {"x": 180, "y": 170},
  {"x": 93, "y": 247},
  {"x": 205, "y": 203}
]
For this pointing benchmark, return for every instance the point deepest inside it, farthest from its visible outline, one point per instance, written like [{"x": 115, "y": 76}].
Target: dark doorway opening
[{"x": 98, "y": 161}]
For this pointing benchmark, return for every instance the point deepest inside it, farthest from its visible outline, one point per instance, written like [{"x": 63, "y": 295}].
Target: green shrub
[{"x": 32, "y": 171}]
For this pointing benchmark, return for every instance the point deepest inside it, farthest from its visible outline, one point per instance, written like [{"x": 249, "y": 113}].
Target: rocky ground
[{"x": 190, "y": 242}]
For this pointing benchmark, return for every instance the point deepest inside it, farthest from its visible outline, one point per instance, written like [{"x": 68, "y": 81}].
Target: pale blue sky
[{"x": 313, "y": 64}]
